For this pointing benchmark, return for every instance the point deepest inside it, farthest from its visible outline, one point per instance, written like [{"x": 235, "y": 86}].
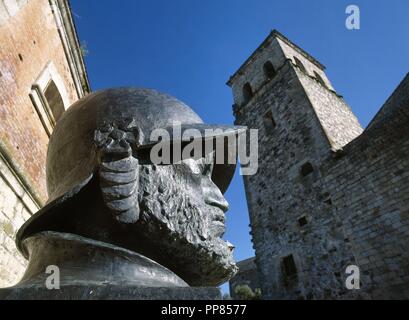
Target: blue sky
[{"x": 189, "y": 48}]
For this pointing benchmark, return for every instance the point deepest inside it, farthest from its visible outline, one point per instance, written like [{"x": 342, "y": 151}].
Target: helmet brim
[{"x": 220, "y": 138}]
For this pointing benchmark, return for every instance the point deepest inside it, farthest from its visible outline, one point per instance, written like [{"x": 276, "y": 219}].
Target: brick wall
[{"x": 30, "y": 42}]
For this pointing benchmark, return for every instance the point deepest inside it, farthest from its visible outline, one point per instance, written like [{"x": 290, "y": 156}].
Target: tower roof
[{"x": 274, "y": 34}]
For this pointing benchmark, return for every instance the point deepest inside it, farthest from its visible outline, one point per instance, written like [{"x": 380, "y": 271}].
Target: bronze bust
[{"x": 116, "y": 219}]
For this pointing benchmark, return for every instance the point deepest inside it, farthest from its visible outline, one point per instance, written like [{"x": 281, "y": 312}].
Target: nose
[{"x": 213, "y": 196}]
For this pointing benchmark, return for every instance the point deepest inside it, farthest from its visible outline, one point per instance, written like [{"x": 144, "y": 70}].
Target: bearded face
[
  {"x": 181, "y": 217},
  {"x": 175, "y": 212},
  {"x": 182, "y": 213}
]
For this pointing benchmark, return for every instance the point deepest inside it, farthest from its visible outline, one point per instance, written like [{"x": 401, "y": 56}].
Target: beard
[{"x": 187, "y": 231}]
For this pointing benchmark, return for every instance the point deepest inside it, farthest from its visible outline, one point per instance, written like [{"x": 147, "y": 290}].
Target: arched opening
[
  {"x": 247, "y": 93},
  {"x": 300, "y": 64},
  {"x": 54, "y": 100},
  {"x": 319, "y": 78},
  {"x": 269, "y": 70},
  {"x": 289, "y": 271}
]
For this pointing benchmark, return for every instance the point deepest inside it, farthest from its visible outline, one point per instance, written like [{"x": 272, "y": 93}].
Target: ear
[{"x": 118, "y": 172}]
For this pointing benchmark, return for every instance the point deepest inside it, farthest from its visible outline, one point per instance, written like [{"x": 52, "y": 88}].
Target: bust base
[{"x": 109, "y": 292}]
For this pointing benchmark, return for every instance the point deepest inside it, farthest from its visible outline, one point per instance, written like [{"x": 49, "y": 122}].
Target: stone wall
[
  {"x": 247, "y": 275},
  {"x": 278, "y": 195},
  {"x": 16, "y": 207},
  {"x": 340, "y": 125},
  {"x": 399, "y": 99},
  {"x": 369, "y": 189},
  {"x": 37, "y": 48},
  {"x": 312, "y": 200}
]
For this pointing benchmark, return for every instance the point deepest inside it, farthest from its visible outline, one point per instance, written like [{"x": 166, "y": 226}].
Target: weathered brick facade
[
  {"x": 41, "y": 69},
  {"x": 327, "y": 194}
]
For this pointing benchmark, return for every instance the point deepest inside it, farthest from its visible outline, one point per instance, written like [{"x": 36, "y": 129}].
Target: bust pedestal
[
  {"x": 109, "y": 292},
  {"x": 90, "y": 269}
]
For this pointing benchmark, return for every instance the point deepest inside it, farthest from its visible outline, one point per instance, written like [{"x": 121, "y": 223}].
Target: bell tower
[{"x": 284, "y": 92}]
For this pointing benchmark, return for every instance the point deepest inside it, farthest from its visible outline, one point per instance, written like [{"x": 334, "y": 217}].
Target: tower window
[
  {"x": 269, "y": 123},
  {"x": 289, "y": 267},
  {"x": 306, "y": 169},
  {"x": 247, "y": 93},
  {"x": 300, "y": 64},
  {"x": 269, "y": 70},
  {"x": 54, "y": 100},
  {"x": 319, "y": 79}
]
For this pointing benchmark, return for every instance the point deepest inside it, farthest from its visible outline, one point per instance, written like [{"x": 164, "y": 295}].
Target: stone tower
[
  {"x": 327, "y": 194},
  {"x": 284, "y": 92}
]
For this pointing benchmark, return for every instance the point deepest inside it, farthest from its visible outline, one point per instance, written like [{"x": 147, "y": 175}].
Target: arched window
[
  {"x": 319, "y": 79},
  {"x": 247, "y": 93},
  {"x": 269, "y": 70},
  {"x": 54, "y": 100},
  {"x": 300, "y": 64},
  {"x": 49, "y": 97}
]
